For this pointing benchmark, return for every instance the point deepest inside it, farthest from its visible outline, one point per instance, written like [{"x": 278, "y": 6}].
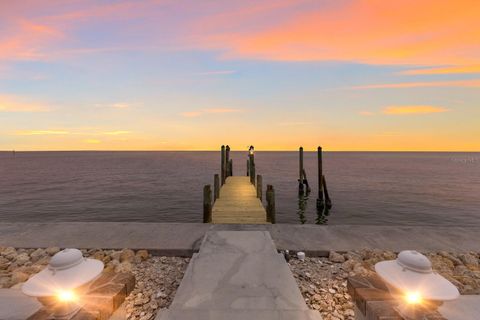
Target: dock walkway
[{"x": 238, "y": 203}]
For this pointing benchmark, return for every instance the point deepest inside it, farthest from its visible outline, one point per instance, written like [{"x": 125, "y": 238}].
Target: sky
[{"x": 349, "y": 75}]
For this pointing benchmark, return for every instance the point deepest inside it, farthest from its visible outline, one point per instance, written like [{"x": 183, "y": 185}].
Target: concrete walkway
[
  {"x": 238, "y": 275},
  {"x": 465, "y": 308},
  {"x": 185, "y": 238}
]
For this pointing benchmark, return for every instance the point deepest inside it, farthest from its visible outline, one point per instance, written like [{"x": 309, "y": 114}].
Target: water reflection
[{"x": 302, "y": 207}]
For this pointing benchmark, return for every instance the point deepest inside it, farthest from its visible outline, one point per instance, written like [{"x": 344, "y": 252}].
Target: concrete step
[{"x": 238, "y": 315}]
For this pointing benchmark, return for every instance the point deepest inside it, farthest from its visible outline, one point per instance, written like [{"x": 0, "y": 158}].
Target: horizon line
[{"x": 240, "y": 150}]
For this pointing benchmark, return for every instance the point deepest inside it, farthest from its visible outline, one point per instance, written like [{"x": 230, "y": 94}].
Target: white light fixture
[
  {"x": 57, "y": 286},
  {"x": 412, "y": 281}
]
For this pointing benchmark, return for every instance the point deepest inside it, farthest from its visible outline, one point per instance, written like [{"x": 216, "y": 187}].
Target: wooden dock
[{"x": 238, "y": 203}]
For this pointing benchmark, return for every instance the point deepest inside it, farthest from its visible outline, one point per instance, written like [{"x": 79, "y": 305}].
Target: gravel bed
[
  {"x": 323, "y": 281},
  {"x": 157, "y": 278}
]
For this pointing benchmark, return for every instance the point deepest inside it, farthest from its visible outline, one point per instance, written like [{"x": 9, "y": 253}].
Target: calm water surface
[{"x": 366, "y": 187}]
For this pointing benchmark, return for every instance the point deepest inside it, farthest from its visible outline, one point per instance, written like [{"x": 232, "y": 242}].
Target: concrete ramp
[{"x": 238, "y": 275}]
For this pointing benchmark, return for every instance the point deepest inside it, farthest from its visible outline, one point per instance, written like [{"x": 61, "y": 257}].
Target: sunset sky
[{"x": 192, "y": 75}]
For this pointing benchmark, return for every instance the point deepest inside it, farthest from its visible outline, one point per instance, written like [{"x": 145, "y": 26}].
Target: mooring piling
[
  {"x": 300, "y": 171},
  {"x": 259, "y": 186},
  {"x": 207, "y": 204},
  {"x": 320, "y": 201},
  {"x": 227, "y": 161},
  {"x": 270, "y": 196},
  {"x": 222, "y": 168},
  {"x": 328, "y": 201},
  {"x": 216, "y": 187},
  {"x": 251, "y": 161}
]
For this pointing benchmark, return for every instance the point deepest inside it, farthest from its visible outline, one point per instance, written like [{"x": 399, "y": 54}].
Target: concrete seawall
[{"x": 184, "y": 238}]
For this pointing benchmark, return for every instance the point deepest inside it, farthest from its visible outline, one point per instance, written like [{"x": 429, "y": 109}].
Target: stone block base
[
  {"x": 103, "y": 297},
  {"x": 373, "y": 301}
]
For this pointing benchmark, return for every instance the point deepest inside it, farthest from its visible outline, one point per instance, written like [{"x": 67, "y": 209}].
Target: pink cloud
[{"x": 428, "y": 32}]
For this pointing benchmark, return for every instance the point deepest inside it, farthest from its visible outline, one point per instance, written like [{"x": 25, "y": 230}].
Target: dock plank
[{"x": 238, "y": 203}]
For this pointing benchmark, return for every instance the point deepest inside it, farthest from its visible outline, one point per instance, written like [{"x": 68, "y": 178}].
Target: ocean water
[{"x": 365, "y": 187}]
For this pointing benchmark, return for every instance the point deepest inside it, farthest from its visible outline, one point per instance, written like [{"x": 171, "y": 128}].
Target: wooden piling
[
  {"x": 251, "y": 158},
  {"x": 216, "y": 187},
  {"x": 259, "y": 186},
  {"x": 301, "y": 170},
  {"x": 270, "y": 196},
  {"x": 320, "y": 201},
  {"x": 305, "y": 181},
  {"x": 328, "y": 201},
  {"x": 223, "y": 169},
  {"x": 227, "y": 161},
  {"x": 207, "y": 204},
  {"x": 252, "y": 173}
]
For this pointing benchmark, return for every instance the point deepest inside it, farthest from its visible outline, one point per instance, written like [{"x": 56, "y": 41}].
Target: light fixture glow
[
  {"x": 413, "y": 298},
  {"x": 66, "y": 296}
]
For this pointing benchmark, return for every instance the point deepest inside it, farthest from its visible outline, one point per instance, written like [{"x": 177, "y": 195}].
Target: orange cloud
[
  {"x": 116, "y": 133},
  {"x": 427, "y": 32},
  {"x": 456, "y": 83},
  {"x": 15, "y": 104},
  {"x": 444, "y": 70},
  {"x": 406, "y": 110},
  {"x": 40, "y": 132}
]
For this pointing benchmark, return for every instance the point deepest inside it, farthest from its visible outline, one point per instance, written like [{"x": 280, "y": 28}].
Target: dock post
[
  {"x": 300, "y": 174},
  {"x": 216, "y": 187},
  {"x": 328, "y": 201},
  {"x": 223, "y": 172},
  {"x": 259, "y": 186},
  {"x": 207, "y": 204},
  {"x": 320, "y": 202},
  {"x": 252, "y": 174},
  {"x": 227, "y": 161},
  {"x": 251, "y": 158},
  {"x": 270, "y": 196}
]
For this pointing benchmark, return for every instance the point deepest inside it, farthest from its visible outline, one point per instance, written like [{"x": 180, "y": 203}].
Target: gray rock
[
  {"x": 127, "y": 255},
  {"x": 4, "y": 263},
  {"x": 37, "y": 255},
  {"x": 22, "y": 259},
  {"x": 336, "y": 257},
  {"x": 19, "y": 276},
  {"x": 469, "y": 260},
  {"x": 52, "y": 250},
  {"x": 8, "y": 251}
]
